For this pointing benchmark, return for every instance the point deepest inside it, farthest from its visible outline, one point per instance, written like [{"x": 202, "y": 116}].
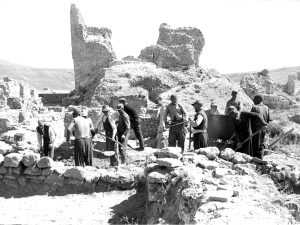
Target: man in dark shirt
[
  {"x": 263, "y": 110},
  {"x": 134, "y": 121},
  {"x": 242, "y": 123},
  {"x": 199, "y": 124},
  {"x": 123, "y": 129},
  {"x": 233, "y": 102}
]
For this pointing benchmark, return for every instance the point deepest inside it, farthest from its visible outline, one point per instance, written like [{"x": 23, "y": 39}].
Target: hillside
[
  {"x": 55, "y": 79},
  {"x": 278, "y": 75}
]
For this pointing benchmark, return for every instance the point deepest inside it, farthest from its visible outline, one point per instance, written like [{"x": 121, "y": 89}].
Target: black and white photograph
[{"x": 150, "y": 112}]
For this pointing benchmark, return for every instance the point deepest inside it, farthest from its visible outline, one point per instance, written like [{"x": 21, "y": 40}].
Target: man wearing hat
[
  {"x": 82, "y": 127},
  {"x": 242, "y": 124},
  {"x": 134, "y": 122},
  {"x": 46, "y": 137},
  {"x": 177, "y": 114},
  {"x": 108, "y": 124},
  {"x": 213, "y": 110},
  {"x": 123, "y": 131},
  {"x": 258, "y": 140},
  {"x": 233, "y": 102},
  {"x": 199, "y": 125}
]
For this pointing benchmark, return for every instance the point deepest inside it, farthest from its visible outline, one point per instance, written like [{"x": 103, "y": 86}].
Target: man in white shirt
[
  {"x": 108, "y": 124},
  {"x": 199, "y": 124}
]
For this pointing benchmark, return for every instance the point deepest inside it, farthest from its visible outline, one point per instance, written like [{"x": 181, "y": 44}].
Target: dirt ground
[{"x": 96, "y": 208}]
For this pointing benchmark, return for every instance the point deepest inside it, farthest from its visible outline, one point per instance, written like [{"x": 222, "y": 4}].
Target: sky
[{"x": 240, "y": 35}]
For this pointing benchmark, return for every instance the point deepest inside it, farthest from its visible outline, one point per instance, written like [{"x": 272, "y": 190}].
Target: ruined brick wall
[{"x": 277, "y": 102}]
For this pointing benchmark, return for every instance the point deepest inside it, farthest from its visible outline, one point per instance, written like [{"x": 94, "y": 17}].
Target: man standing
[
  {"x": 46, "y": 137},
  {"x": 199, "y": 124},
  {"x": 134, "y": 121},
  {"x": 108, "y": 124},
  {"x": 242, "y": 123},
  {"x": 213, "y": 110},
  {"x": 123, "y": 131},
  {"x": 177, "y": 130},
  {"x": 259, "y": 139},
  {"x": 160, "y": 130},
  {"x": 83, "y": 146},
  {"x": 233, "y": 102}
]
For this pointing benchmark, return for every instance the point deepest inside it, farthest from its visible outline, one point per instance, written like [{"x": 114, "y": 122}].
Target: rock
[
  {"x": 220, "y": 172},
  {"x": 14, "y": 103},
  {"x": 33, "y": 171},
  {"x": 160, "y": 176},
  {"x": 3, "y": 170},
  {"x": 1, "y": 158},
  {"x": 245, "y": 169},
  {"x": 12, "y": 159},
  {"x": 278, "y": 176},
  {"x": 210, "y": 152},
  {"x": 30, "y": 158},
  {"x": 91, "y": 50},
  {"x": 168, "y": 162},
  {"x": 75, "y": 172},
  {"x": 220, "y": 195},
  {"x": 92, "y": 174},
  {"x": 59, "y": 167},
  {"x": 47, "y": 171},
  {"x": 293, "y": 175},
  {"x": 151, "y": 167},
  {"x": 238, "y": 158},
  {"x": 55, "y": 179},
  {"x": 5, "y": 148},
  {"x": 45, "y": 162},
  {"x": 175, "y": 47},
  {"x": 210, "y": 165},
  {"x": 227, "y": 154},
  {"x": 170, "y": 152}
]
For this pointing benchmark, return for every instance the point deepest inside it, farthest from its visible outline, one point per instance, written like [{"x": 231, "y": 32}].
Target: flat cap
[
  {"x": 120, "y": 107},
  {"x": 197, "y": 102},
  {"x": 122, "y": 99}
]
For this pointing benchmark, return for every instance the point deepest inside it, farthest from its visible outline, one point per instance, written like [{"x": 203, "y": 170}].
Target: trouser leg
[
  {"x": 181, "y": 132},
  {"x": 88, "y": 154},
  {"x": 138, "y": 132},
  {"x": 196, "y": 141},
  {"x": 78, "y": 152},
  {"x": 203, "y": 140},
  {"x": 110, "y": 146},
  {"x": 122, "y": 149},
  {"x": 172, "y": 137}
]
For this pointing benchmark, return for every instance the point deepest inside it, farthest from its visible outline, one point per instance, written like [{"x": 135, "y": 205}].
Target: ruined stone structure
[
  {"x": 273, "y": 96},
  {"x": 290, "y": 86},
  {"x": 16, "y": 94},
  {"x": 91, "y": 49},
  {"x": 175, "y": 47}
]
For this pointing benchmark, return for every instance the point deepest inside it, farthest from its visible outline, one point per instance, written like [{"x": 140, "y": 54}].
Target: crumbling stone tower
[{"x": 91, "y": 49}]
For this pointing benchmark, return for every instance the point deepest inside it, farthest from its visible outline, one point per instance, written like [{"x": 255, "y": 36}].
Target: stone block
[
  {"x": 210, "y": 152},
  {"x": 220, "y": 195},
  {"x": 5, "y": 148},
  {"x": 278, "y": 176},
  {"x": 55, "y": 179},
  {"x": 11, "y": 183},
  {"x": 14, "y": 103},
  {"x": 159, "y": 176},
  {"x": 3, "y": 170},
  {"x": 220, "y": 172},
  {"x": 12, "y": 159},
  {"x": 92, "y": 174},
  {"x": 210, "y": 165},
  {"x": 245, "y": 169},
  {"x": 293, "y": 175},
  {"x": 227, "y": 154},
  {"x": 22, "y": 181},
  {"x": 30, "y": 158},
  {"x": 76, "y": 173},
  {"x": 47, "y": 171},
  {"x": 45, "y": 162},
  {"x": 238, "y": 158},
  {"x": 170, "y": 152},
  {"x": 33, "y": 171},
  {"x": 18, "y": 170},
  {"x": 169, "y": 162}
]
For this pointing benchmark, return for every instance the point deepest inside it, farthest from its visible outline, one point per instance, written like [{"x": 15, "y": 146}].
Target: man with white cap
[
  {"x": 46, "y": 137},
  {"x": 199, "y": 124},
  {"x": 123, "y": 131},
  {"x": 108, "y": 124}
]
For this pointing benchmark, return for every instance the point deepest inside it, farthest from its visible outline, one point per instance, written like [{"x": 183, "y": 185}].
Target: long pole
[
  {"x": 115, "y": 141},
  {"x": 225, "y": 145},
  {"x": 249, "y": 138},
  {"x": 190, "y": 138}
]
